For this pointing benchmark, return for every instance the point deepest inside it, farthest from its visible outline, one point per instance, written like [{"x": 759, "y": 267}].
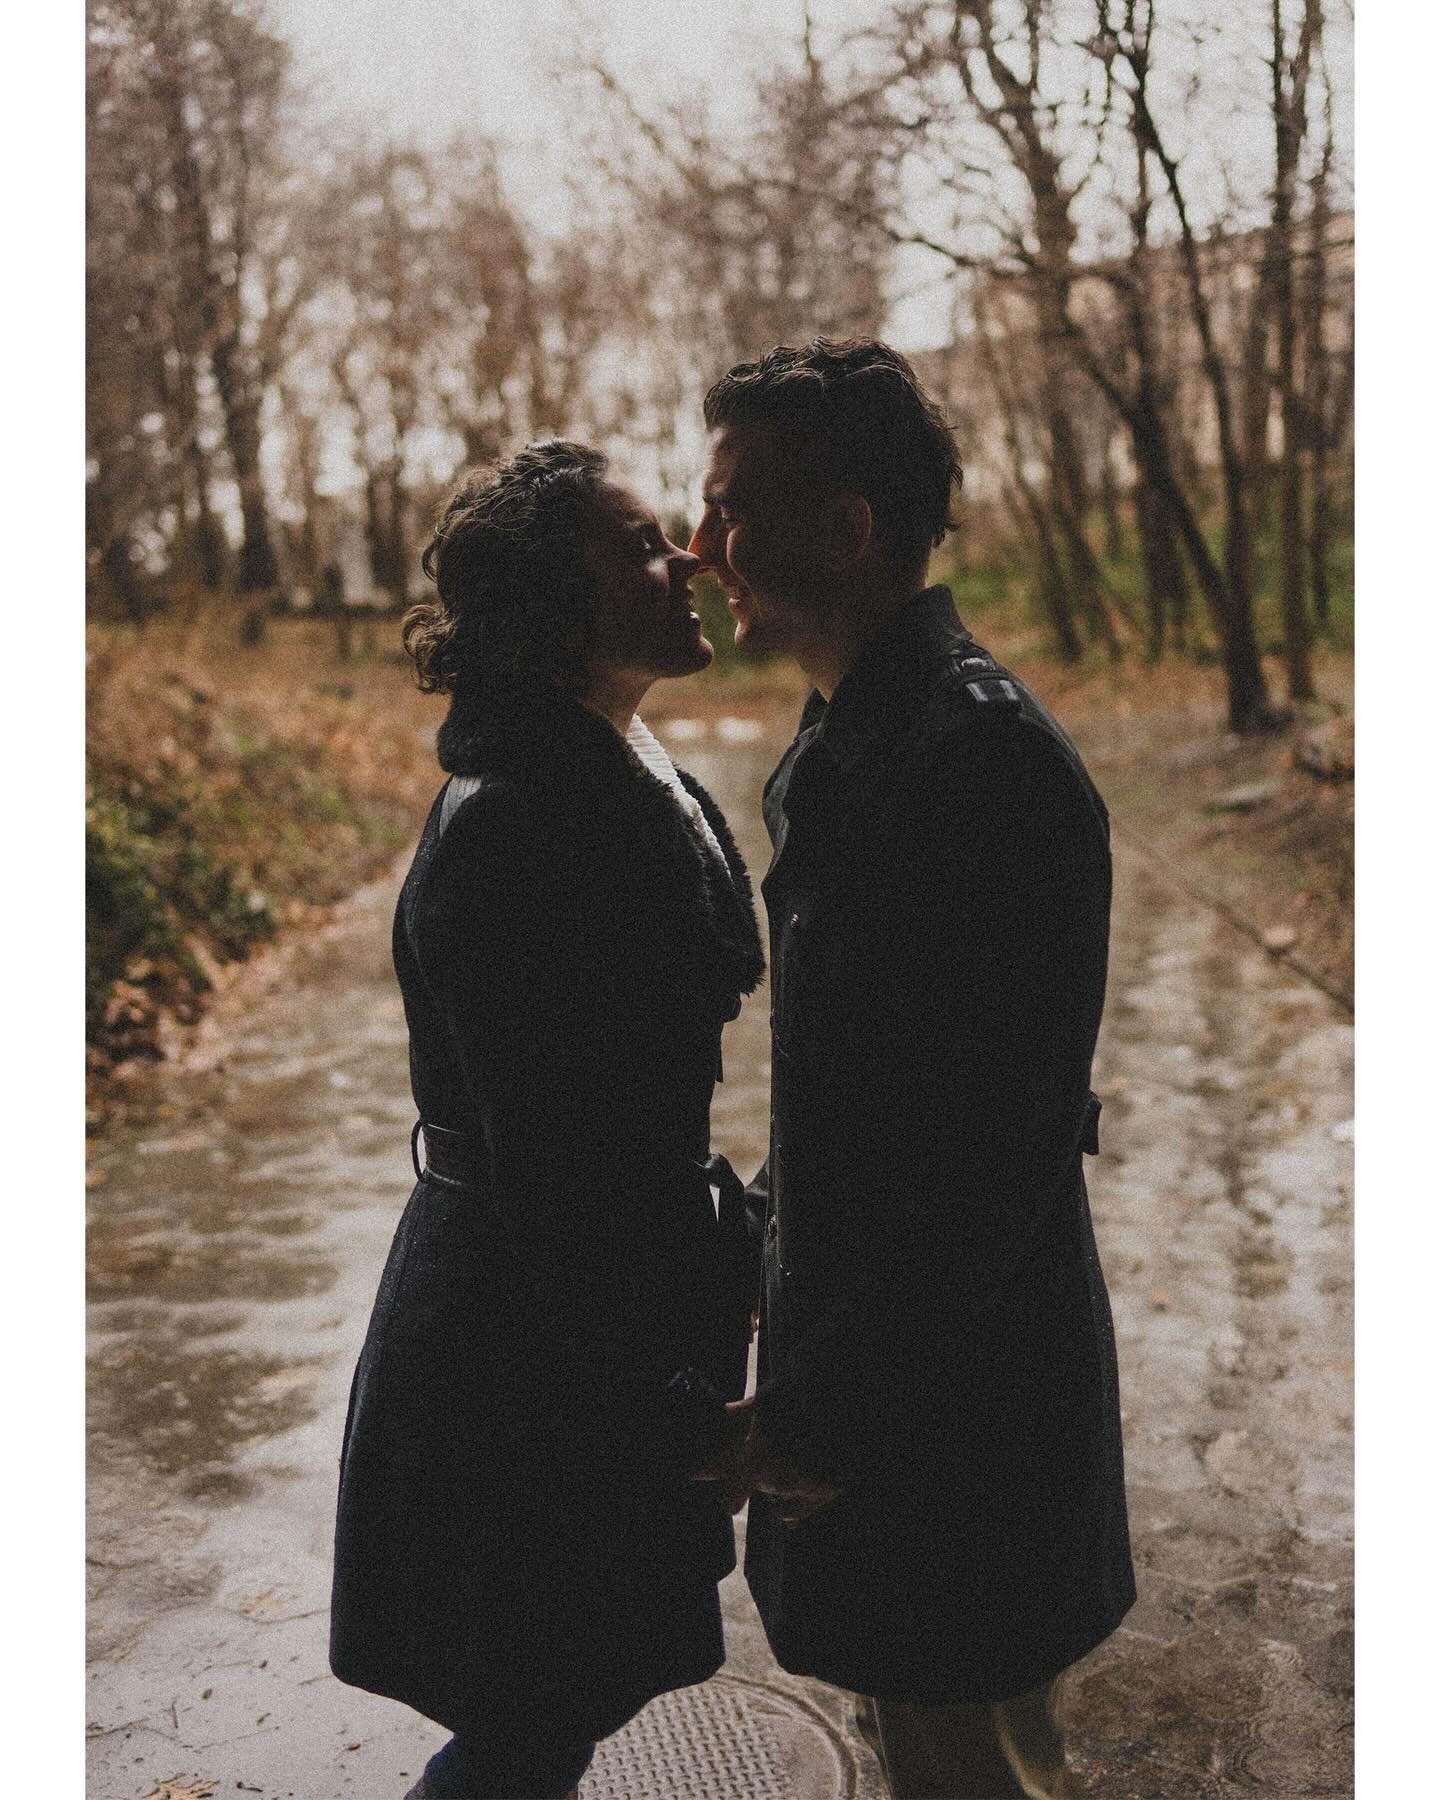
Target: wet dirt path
[{"x": 234, "y": 1249}]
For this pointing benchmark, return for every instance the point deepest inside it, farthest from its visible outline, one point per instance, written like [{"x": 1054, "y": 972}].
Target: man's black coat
[
  {"x": 518, "y": 1539},
  {"x": 935, "y": 1330}
]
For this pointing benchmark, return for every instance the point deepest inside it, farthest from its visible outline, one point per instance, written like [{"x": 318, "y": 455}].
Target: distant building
[{"x": 1234, "y": 267}]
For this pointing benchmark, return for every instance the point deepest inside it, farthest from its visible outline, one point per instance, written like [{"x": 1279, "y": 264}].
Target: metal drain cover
[{"x": 726, "y": 1739}]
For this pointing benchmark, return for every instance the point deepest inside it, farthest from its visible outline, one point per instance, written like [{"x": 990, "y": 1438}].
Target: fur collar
[{"x": 546, "y": 743}]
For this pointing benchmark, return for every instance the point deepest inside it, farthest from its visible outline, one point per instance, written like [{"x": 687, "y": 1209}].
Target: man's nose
[{"x": 701, "y": 546}]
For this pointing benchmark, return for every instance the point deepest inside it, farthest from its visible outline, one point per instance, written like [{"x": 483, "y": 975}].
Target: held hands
[{"x": 747, "y": 1465}]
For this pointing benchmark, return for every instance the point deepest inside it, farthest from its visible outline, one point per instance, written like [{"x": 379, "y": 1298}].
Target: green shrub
[{"x": 125, "y": 911}]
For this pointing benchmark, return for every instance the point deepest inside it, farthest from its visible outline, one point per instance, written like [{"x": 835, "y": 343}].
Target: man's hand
[{"x": 747, "y": 1465}]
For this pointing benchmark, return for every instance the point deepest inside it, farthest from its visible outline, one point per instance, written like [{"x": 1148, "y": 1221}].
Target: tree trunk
[
  {"x": 259, "y": 570},
  {"x": 1054, "y": 589},
  {"x": 1289, "y": 117},
  {"x": 1319, "y": 547},
  {"x": 1257, "y": 388},
  {"x": 209, "y": 552},
  {"x": 127, "y": 588},
  {"x": 1235, "y": 598},
  {"x": 1110, "y": 507},
  {"x": 1248, "y": 699},
  {"x": 1068, "y": 495},
  {"x": 1319, "y": 430},
  {"x": 1166, "y": 589}
]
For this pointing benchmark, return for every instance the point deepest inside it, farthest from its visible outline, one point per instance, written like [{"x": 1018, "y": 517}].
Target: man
[{"x": 938, "y": 1514}]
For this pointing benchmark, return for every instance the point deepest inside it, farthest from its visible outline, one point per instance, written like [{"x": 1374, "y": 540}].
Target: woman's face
[{"x": 643, "y": 624}]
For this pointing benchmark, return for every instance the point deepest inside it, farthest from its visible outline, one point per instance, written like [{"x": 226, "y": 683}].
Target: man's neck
[{"x": 832, "y": 650}]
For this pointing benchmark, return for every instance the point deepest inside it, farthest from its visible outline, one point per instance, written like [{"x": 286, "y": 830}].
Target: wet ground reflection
[{"x": 235, "y": 1245}]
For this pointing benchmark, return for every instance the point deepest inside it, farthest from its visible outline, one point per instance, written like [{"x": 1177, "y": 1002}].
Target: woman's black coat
[{"x": 517, "y": 1533}]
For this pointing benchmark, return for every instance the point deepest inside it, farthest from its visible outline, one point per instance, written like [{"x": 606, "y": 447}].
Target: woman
[{"x": 521, "y": 1552}]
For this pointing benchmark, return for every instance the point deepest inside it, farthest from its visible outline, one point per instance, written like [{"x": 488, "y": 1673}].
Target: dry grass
[{"x": 232, "y": 792}]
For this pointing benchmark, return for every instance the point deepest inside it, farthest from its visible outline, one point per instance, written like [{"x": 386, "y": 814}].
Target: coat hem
[
  {"x": 593, "y": 1720},
  {"x": 954, "y": 1688}
]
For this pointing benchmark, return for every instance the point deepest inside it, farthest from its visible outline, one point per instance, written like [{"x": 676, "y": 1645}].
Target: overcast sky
[
  {"x": 432, "y": 67},
  {"x": 427, "y": 68}
]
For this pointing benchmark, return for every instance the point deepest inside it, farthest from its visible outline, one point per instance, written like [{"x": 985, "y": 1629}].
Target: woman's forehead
[{"x": 621, "y": 505}]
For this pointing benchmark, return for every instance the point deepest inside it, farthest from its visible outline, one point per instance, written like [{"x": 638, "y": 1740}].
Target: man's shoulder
[
  {"x": 983, "y": 724},
  {"x": 970, "y": 689}
]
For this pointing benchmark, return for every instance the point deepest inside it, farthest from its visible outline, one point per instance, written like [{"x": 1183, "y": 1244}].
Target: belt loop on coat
[
  {"x": 1090, "y": 1140},
  {"x": 414, "y": 1149},
  {"x": 729, "y": 1189}
]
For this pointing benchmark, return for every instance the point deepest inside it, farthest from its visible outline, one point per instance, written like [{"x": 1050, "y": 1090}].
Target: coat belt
[{"x": 457, "y": 1159}]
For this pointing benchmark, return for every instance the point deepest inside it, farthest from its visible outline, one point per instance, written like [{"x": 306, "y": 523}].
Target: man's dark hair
[
  {"x": 507, "y": 560},
  {"x": 850, "y": 416}
]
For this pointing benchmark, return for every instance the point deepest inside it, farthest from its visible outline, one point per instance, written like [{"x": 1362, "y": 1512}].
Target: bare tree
[
  {"x": 1024, "y": 498},
  {"x": 219, "y": 77},
  {"x": 189, "y": 107},
  {"x": 779, "y": 244},
  {"x": 1290, "y": 80},
  {"x": 383, "y": 307},
  {"x": 1329, "y": 376}
]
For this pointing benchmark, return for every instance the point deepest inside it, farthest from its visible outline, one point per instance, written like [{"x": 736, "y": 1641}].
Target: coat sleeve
[
  {"x": 525, "y": 978},
  {"x": 974, "y": 1051}
]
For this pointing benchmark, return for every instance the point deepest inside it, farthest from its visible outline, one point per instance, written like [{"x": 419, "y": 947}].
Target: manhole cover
[{"x": 723, "y": 1739}]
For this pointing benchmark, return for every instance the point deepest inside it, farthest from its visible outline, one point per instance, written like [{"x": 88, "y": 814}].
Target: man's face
[
  {"x": 643, "y": 622},
  {"x": 760, "y": 536}
]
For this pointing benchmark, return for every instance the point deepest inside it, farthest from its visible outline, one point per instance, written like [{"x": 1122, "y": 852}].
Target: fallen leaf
[
  {"x": 175, "y": 1789},
  {"x": 260, "y": 1603},
  {"x": 1161, "y": 1299}
]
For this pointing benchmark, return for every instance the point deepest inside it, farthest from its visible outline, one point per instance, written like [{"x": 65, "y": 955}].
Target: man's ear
[{"x": 852, "y": 528}]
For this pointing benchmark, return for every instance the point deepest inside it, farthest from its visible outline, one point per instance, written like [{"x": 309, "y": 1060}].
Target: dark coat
[
  {"x": 517, "y": 1533},
  {"x": 935, "y": 1330}
]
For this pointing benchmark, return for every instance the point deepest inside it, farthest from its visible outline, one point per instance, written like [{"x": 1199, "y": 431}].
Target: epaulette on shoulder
[{"x": 980, "y": 681}]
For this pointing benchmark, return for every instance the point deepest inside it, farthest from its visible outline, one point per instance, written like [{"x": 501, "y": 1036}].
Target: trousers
[
  {"x": 969, "y": 1750},
  {"x": 476, "y": 1765}
]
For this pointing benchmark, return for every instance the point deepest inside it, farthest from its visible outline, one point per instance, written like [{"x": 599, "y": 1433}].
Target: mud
[{"x": 235, "y": 1244}]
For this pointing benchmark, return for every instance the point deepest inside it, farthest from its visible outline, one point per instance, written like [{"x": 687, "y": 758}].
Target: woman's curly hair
[{"x": 513, "y": 594}]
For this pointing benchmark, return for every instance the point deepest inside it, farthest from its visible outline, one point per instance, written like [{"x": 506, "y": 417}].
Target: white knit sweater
[{"x": 653, "y": 756}]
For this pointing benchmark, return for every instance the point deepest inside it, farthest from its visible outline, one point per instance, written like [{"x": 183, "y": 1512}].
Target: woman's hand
[{"x": 748, "y": 1465}]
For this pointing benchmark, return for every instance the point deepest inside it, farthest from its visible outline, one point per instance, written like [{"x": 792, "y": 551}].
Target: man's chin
[{"x": 749, "y": 633}]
